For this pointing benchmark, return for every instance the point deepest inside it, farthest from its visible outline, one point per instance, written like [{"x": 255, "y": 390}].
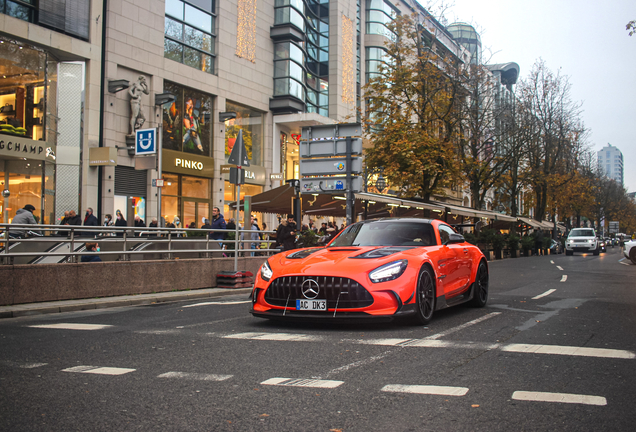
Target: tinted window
[
  {"x": 582, "y": 233},
  {"x": 444, "y": 232},
  {"x": 389, "y": 233}
]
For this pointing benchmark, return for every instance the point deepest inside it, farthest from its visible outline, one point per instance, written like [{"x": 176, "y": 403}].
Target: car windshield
[
  {"x": 387, "y": 233},
  {"x": 582, "y": 233}
]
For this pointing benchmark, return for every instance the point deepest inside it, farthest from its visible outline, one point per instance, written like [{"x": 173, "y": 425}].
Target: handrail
[{"x": 74, "y": 234}]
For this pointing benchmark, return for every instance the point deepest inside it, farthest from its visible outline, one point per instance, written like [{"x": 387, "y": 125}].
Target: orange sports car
[{"x": 383, "y": 268}]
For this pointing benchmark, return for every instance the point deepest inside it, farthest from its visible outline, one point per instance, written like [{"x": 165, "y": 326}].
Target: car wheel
[
  {"x": 480, "y": 286},
  {"x": 425, "y": 301},
  {"x": 596, "y": 252},
  {"x": 632, "y": 254},
  {"x": 569, "y": 253}
]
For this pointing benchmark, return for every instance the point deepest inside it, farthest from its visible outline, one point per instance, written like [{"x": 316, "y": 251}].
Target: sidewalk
[{"x": 108, "y": 302}]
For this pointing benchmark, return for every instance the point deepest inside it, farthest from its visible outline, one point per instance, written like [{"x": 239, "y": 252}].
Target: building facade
[
  {"x": 610, "y": 162},
  {"x": 78, "y": 80}
]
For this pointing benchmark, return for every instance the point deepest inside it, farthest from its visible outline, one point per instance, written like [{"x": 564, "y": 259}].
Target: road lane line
[
  {"x": 72, "y": 326},
  {"x": 463, "y": 326},
  {"x": 547, "y": 293},
  {"x": 551, "y": 262},
  {"x": 564, "y": 278},
  {"x": 217, "y": 303},
  {"x": 300, "y": 382},
  {"x": 99, "y": 370},
  {"x": 356, "y": 364},
  {"x": 559, "y": 398},
  {"x": 426, "y": 389},
  {"x": 568, "y": 350},
  {"x": 293, "y": 337},
  {"x": 560, "y": 268},
  {"x": 195, "y": 376}
]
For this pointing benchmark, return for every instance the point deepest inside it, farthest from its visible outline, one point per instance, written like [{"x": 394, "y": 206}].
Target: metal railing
[{"x": 19, "y": 241}]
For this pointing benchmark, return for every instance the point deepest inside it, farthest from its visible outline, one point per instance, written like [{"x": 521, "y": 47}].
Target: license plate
[{"x": 320, "y": 305}]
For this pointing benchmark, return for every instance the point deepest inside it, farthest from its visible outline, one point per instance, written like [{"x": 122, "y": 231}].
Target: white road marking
[
  {"x": 158, "y": 332},
  {"x": 218, "y": 303},
  {"x": 568, "y": 350},
  {"x": 551, "y": 262},
  {"x": 560, "y": 268},
  {"x": 463, "y": 326},
  {"x": 299, "y": 382},
  {"x": 559, "y": 397},
  {"x": 547, "y": 293},
  {"x": 32, "y": 365},
  {"x": 564, "y": 278},
  {"x": 21, "y": 365},
  {"x": 356, "y": 364},
  {"x": 99, "y": 370},
  {"x": 294, "y": 337},
  {"x": 624, "y": 261},
  {"x": 426, "y": 389},
  {"x": 72, "y": 326},
  {"x": 195, "y": 376}
]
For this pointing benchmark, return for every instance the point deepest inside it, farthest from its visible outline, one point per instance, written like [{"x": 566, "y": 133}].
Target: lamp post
[{"x": 161, "y": 99}]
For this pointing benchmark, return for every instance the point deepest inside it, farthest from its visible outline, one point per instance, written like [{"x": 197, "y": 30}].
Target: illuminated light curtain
[
  {"x": 348, "y": 61},
  {"x": 246, "y": 35}
]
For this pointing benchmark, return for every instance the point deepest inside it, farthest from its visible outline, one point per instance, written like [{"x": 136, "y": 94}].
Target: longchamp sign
[{"x": 26, "y": 148}]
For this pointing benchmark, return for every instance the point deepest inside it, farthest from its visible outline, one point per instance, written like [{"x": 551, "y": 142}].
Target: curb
[{"x": 109, "y": 302}]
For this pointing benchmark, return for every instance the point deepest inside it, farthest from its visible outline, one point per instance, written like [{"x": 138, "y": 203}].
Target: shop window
[
  {"x": 251, "y": 122},
  {"x": 187, "y": 125},
  {"x": 195, "y": 187},
  {"x": 22, "y": 102}
]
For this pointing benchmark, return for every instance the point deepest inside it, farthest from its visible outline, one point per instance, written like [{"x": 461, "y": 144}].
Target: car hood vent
[{"x": 381, "y": 252}]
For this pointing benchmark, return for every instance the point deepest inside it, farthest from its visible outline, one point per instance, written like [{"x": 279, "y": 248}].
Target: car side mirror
[{"x": 455, "y": 238}]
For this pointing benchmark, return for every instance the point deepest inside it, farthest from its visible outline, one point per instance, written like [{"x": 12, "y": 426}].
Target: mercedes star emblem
[{"x": 310, "y": 289}]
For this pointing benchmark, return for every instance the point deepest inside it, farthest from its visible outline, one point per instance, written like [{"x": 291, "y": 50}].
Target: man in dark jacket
[
  {"x": 90, "y": 220},
  {"x": 286, "y": 235},
  {"x": 24, "y": 216},
  {"x": 91, "y": 247},
  {"x": 217, "y": 223}
]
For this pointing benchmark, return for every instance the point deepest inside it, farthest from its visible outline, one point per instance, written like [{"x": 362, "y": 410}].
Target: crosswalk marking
[
  {"x": 99, "y": 370},
  {"x": 547, "y": 293},
  {"x": 195, "y": 376},
  {"x": 300, "y": 382},
  {"x": 560, "y": 268},
  {"x": 564, "y": 278},
  {"x": 559, "y": 397},
  {"x": 434, "y": 343},
  {"x": 463, "y": 326},
  {"x": 72, "y": 326},
  {"x": 426, "y": 389}
]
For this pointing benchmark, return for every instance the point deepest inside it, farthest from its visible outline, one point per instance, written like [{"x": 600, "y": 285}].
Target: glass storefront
[
  {"x": 251, "y": 122},
  {"x": 186, "y": 198},
  {"x": 27, "y": 111}
]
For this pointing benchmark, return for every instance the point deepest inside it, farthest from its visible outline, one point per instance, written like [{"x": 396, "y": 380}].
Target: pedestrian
[
  {"x": 323, "y": 229},
  {"x": 108, "y": 220},
  {"x": 91, "y": 247},
  {"x": 231, "y": 225},
  {"x": 153, "y": 224},
  {"x": 206, "y": 223},
  {"x": 65, "y": 218},
  {"x": 24, "y": 216},
  {"x": 286, "y": 233},
  {"x": 73, "y": 219},
  {"x": 218, "y": 223},
  {"x": 90, "y": 220},
  {"x": 254, "y": 235},
  {"x": 120, "y": 222}
]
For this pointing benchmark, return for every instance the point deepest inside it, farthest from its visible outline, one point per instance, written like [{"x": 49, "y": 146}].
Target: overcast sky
[{"x": 586, "y": 40}]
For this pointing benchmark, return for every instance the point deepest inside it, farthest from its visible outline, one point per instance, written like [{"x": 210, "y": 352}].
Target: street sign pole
[
  {"x": 350, "y": 197},
  {"x": 159, "y": 173},
  {"x": 238, "y": 220}
]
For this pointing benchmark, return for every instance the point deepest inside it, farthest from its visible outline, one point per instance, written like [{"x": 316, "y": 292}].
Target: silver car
[
  {"x": 630, "y": 250},
  {"x": 582, "y": 240}
]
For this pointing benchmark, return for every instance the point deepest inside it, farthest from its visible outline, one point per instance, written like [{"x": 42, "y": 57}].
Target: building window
[
  {"x": 251, "y": 123},
  {"x": 379, "y": 14},
  {"x": 288, "y": 70},
  {"x": 289, "y": 12},
  {"x": 190, "y": 33},
  {"x": 187, "y": 125},
  {"x": 66, "y": 16}
]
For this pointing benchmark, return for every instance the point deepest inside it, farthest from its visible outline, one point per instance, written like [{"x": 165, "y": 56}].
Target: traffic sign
[
  {"x": 329, "y": 184},
  {"x": 337, "y": 147},
  {"x": 332, "y": 131},
  {"x": 330, "y": 166},
  {"x": 613, "y": 227},
  {"x": 145, "y": 141},
  {"x": 238, "y": 156}
]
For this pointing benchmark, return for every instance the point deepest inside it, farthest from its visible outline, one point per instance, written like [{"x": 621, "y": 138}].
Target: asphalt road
[{"x": 554, "y": 350}]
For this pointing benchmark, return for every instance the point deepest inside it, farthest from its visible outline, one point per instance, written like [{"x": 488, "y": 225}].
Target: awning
[
  {"x": 547, "y": 225},
  {"x": 533, "y": 223},
  {"x": 387, "y": 199},
  {"x": 466, "y": 211}
]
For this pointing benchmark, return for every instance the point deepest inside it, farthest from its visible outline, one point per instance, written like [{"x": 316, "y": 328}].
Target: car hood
[{"x": 337, "y": 261}]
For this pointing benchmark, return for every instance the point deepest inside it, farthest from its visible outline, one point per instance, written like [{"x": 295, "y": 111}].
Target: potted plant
[
  {"x": 527, "y": 243},
  {"x": 471, "y": 238},
  {"x": 545, "y": 244},
  {"x": 498, "y": 242},
  {"x": 484, "y": 241},
  {"x": 513, "y": 244}
]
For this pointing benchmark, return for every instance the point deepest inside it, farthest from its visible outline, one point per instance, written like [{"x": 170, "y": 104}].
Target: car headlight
[
  {"x": 388, "y": 271},
  {"x": 266, "y": 271}
]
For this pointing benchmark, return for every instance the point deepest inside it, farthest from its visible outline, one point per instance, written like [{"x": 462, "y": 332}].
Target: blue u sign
[{"x": 145, "y": 141}]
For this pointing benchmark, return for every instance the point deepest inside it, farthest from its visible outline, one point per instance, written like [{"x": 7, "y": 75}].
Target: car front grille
[{"x": 284, "y": 291}]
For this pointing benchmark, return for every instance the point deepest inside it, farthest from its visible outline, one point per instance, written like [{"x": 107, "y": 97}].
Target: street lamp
[{"x": 161, "y": 99}]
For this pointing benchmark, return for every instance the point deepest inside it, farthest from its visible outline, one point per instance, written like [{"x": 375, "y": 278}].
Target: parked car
[
  {"x": 602, "y": 246},
  {"x": 581, "y": 240},
  {"x": 630, "y": 250},
  {"x": 556, "y": 247},
  {"x": 383, "y": 268}
]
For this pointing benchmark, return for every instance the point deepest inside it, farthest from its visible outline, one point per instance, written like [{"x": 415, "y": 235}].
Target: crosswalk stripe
[
  {"x": 568, "y": 350},
  {"x": 293, "y": 337},
  {"x": 72, "y": 326},
  {"x": 547, "y": 293},
  {"x": 559, "y": 398},
  {"x": 300, "y": 382},
  {"x": 99, "y": 370},
  {"x": 195, "y": 376},
  {"x": 426, "y": 389}
]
